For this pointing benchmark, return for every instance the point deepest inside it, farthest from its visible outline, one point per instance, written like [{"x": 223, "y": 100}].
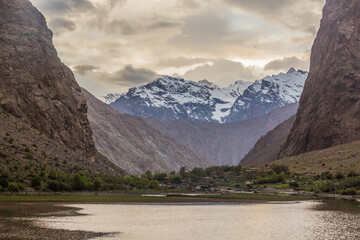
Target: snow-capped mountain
[
  {"x": 170, "y": 98},
  {"x": 267, "y": 94},
  {"x": 110, "y": 98}
]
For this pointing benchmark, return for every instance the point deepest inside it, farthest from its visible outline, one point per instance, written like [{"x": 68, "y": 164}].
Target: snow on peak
[
  {"x": 170, "y": 98},
  {"x": 110, "y": 98},
  {"x": 208, "y": 84}
]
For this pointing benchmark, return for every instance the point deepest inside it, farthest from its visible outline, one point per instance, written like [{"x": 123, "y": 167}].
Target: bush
[
  {"x": 36, "y": 182},
  {"x": 339, "y": 175},
  {"x": 79, "y": 182},
  {"x": 54, "y": 186},
  {"x": 294, "y": 185},
  {"x": 275, "y": 178},
  {"x": 353, "y": 173},
  {"x": 13, "y": 187},
  {"x": 4, "y": 183},
  {"x": 327, "y": 186},
  {"x": 280, "y": 168},
  {"x": 98, "y": 184},
  {"x": 175, "y": 179},
  {"x": 349, "y": 191},
  {"x": 54, "y": 174},
  {"x": 160, "y": 176},
  {"x": 153, "y": 184}
]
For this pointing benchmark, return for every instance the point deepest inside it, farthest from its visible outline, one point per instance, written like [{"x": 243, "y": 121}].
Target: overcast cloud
[{"x": 113, "y": 45}]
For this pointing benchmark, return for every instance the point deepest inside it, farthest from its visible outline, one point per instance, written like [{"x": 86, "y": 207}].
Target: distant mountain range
[
  {"x": 170, "y": 98},
  {"x": 133, "y": 145}
]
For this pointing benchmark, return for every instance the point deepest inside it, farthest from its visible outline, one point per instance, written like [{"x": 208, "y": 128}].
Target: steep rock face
[
  {"x": 268, "y": 94},
  {"x": 329, "y": 109},
  {"x": 133, "y": 145},
  {"x": 225, "y": 143},
  {"x": 34, "y": 84},
  {"x": 268, "y": 147}
]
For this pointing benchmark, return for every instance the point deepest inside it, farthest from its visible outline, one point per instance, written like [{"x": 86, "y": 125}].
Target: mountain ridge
[
  {"x": 133, "y": 145},
  {"x": 170, "y": 98}
]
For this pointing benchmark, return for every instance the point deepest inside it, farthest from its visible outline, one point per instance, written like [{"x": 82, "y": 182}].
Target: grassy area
[{"x": 342, "y": 158}]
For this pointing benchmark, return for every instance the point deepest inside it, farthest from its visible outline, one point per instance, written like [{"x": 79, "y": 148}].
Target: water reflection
[{"x": 299, "y": 220}]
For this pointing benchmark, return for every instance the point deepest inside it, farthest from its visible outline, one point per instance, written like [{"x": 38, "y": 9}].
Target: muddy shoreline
[{"x": 18, "y": 222}]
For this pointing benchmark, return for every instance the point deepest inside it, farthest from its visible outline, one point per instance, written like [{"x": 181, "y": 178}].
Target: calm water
[{"x": 298, "y": 220}]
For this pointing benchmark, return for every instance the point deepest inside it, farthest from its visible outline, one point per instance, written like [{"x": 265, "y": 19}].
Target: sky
[{"x": 113, "y": 45}]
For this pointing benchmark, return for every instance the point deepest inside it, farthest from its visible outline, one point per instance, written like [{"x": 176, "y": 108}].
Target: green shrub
[
  {"x": 36, "y": 182},
  {"x": 275, "y": 178},
  {"x": 353, "y": 173},
  {"x": 294, "y": 185},
  {"x": 349, "y": 191},
  {"x": 13, "y": 187},
  {"x": 54, "y": 186},
  {"x": 79, "y": 182},
  {"x": 54, "y": 174},
  {"x": 153, "y": 184},
  {"x": 327, "y": 186},
  {"x": 4, "y": 183},
  {"x": 280, "y": 168},
  {"x": 98, "y": 184},
  {"x": 175, "y": 179},
  {"x": 160, "y": 176},
  {"x": 339, "y": 175}
]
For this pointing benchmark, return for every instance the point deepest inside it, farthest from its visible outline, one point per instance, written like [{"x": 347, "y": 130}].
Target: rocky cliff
[
  {"x": 329, "y": 112},
  {"x": 35, "y": 86},
  {"x": 225, "y": 143},
  {"x": 268, "y": 147},
  {"x": 133, "y": 145}
]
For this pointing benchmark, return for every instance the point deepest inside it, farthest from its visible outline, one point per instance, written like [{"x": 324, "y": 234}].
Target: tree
[
  {"x": 183, "y": 172},
  {"x": 36, "y": 182},
  {"x": 79, "y": 182},
  {"x": 97, "y": 184}
]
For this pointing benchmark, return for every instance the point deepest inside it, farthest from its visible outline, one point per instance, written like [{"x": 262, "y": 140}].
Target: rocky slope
[
  {"x": 329, "y": 109},
  {"x": 25, "y": 151},
  {"x": 34, "y": 84},
  {"x": 133, "y": 145},
  {"x": 170, "y": 98},
  {"x": 268, "y": 147},
  {"x": 342, "y": 158},
  {"x": 225, "y": 143}
]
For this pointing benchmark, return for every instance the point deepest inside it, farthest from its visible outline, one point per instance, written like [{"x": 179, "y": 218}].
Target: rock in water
[
  {"x": 329, "y": 112},
  {"x": 35, "y": 85}
]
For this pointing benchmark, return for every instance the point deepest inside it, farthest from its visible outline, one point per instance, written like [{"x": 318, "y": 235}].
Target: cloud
[
  {"x": 60, "y": 25},
  {"x": 181, "y": 62},
  {"x": 303, "y": 14},
  {"x": 84, "y": 69},
  {"x": 222, "y": 72},
  {"x": 287, "y": 63},
  {"x": 125, "y": 27},
  {"x": 130, "y": 76},
  {"x": 190, "y": 4}
]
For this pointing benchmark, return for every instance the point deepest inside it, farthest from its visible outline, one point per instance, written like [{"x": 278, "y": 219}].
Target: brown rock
[
  {"x": 35, "y": 85},
  {"x": 133, "y": 145},
  {"x": 268, "y": 147},
  {"x": 329, "y": 112}
]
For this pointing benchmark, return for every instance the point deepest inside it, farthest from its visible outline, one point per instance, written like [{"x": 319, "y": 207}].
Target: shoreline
[{"x": 19, "y": 213}]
